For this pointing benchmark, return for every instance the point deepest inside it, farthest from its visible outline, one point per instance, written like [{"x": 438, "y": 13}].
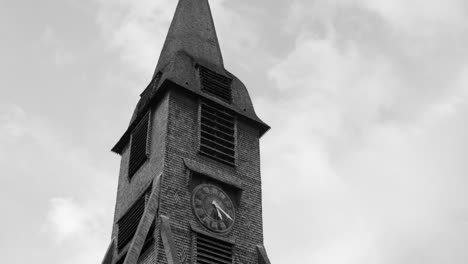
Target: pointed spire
[{"x": 192, "y": 30}]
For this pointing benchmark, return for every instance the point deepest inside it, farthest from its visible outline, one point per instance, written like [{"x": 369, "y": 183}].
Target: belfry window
[
  {"x": 139, "y": 146},
  {"x": 215, "y": 84},
  {"x": 128, "y": 223},
  {"x": 217, "y": 133},
  {"x": 213, "y": 251}
]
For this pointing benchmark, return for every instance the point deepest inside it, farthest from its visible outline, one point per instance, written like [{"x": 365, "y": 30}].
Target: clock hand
[
  {"x": 218, "y": 207},
  {"x": 228, "y": 216}
]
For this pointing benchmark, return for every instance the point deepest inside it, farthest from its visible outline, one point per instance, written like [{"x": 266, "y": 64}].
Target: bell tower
[{"x": 189, "y": 184}]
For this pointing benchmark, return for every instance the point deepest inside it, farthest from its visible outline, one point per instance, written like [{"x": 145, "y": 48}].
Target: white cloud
[
  {"x": 77, "y": 229},
  {"x": 34, "y": 150},
  {"x": 66, "y": 219},
  {"x": 355, "y": 102},
  {"x": 400, "y": 81},
  {"x": 352, "y": 110},
  {"x": 136, "y": 30},
  {"x": 335, "y": 92},
  {"x": 422, "y": 18},
  {"x": 353, "y": 144}
]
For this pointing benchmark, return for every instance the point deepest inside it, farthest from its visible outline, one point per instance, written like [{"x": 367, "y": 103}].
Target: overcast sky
[{"x": 367, "y": 100}]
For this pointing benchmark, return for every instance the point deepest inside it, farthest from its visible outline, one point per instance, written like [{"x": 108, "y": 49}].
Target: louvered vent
[
  {"x": 217, "y": 139},
  {"x": 139, "y": 145},
  {"x": 128, "y": 224},
  {"x": 216, "y": 84},
  {"x": 148, "y": 256},
  {"x": 213, "y": 251}
]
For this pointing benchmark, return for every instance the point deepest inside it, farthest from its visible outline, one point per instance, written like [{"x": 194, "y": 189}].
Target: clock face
[{"x": 213, "y": 208}]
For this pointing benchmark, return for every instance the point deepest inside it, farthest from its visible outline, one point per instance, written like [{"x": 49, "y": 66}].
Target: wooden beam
[
  {"x": 148, "y": 217},
  {"x": 168, "y": 241}
]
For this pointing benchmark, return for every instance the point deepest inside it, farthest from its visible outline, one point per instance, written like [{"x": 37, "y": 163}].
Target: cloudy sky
[{"x": 367, "y": 99}]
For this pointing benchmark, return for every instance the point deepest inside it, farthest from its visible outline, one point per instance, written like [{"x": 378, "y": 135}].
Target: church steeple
[
  {"x": 192, "y": 30},
  {"x": 189, "y": 187}
]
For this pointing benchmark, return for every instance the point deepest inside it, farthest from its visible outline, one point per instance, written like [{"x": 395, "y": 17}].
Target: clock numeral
[
  {"x": 200, "y": 212},
  {"x": 223, "y": 226}
]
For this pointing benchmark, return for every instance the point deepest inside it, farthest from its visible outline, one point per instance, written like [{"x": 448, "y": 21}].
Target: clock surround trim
[
  {"x": 221, "y": 176},
  {"x": 196, "y": 229}
]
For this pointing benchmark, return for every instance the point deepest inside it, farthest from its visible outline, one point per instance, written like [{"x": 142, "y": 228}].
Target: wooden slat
[
  {"x": 210, "y": 88},
  {"x": 213, "y": 144},
  {"x": 217, "y": 250},
  {"x": 226, "y": 118},
  {"x": 217, "y": 133},
  {"x": 217, "y": 247},
  {"x": 214, "y": 242},
  {"x": 218, "y": 110},
  {"x": 128, "y": 223},
  {"x": 212, "y": 257},
  {"x": 207, "y": 261},
  {"x": 138, "y": 148},
  {"x": 219, "y": 156},
  {"x": 213, "y": 251},
  {"x": 216, "y": 125},
  {"x": 216, "y": 84},
  {"x": 217, "y": 76},
  {"x": 216, "y": 153},
  {"x": 218, "y": 118},
  {"x": 220, "y": 140}
]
